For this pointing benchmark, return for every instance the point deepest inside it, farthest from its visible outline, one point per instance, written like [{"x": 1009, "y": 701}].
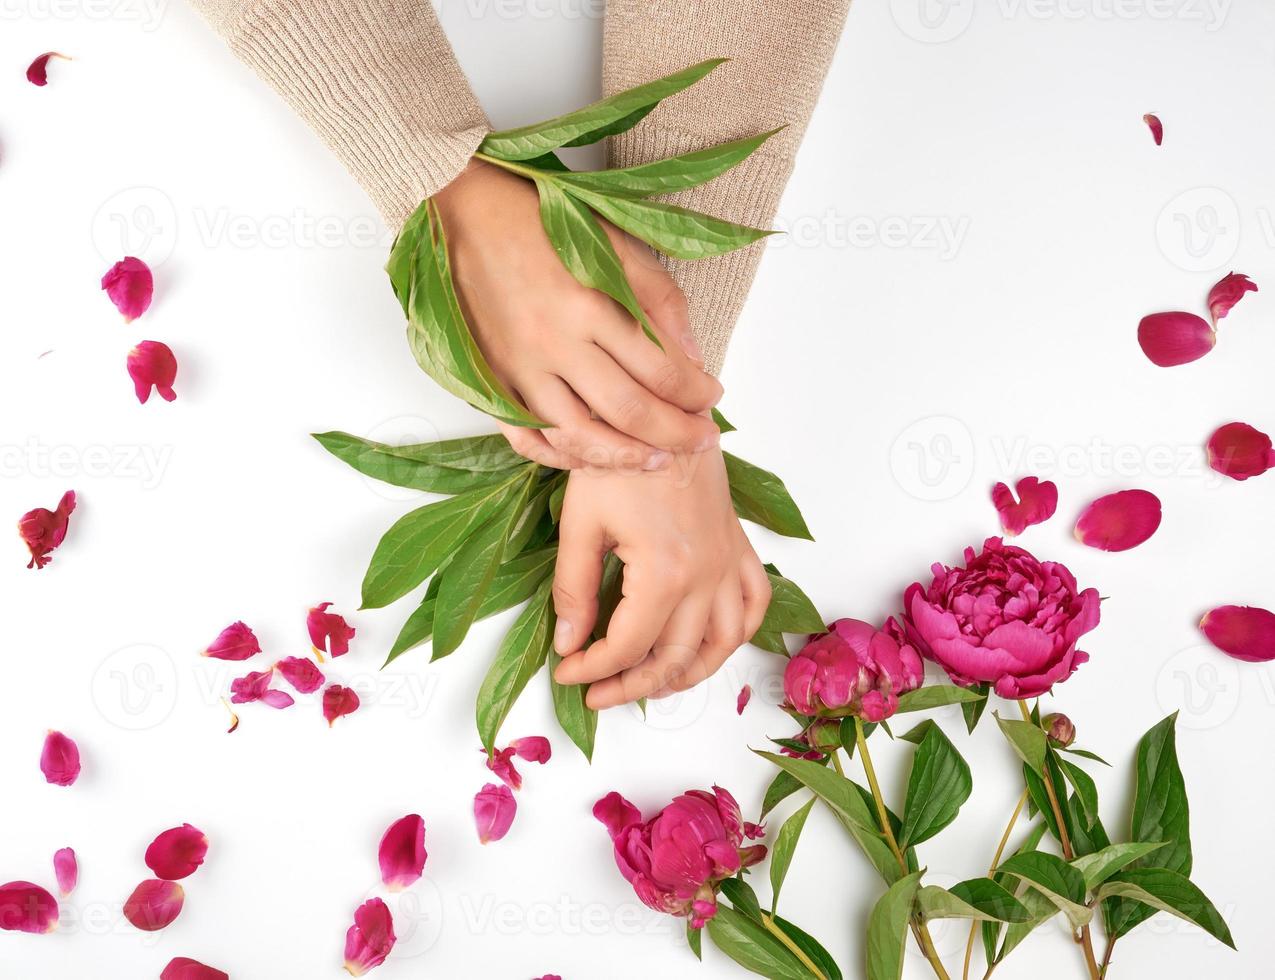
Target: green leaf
[
  {"x": 531, "y": 514},
  {"x": 577, "y": 719},
  {"x": 521, "y": 654},
  {"x": 973, "y": 710},
  {"x": 412, "y": 467},
  {"x": 556, "y": 500},
  {"x": 1055, "y": 879},
  {"x": 888, "y": 929},
  {"x": 790, "y": 609},
  {"x": 814, "y": 951},
  {"x": 1098, "y": 867},
  {"x": 940, "y": 782},
  {"x": 762, "y": 498},
  {"x": 742, "y": 897},
  {"x": 752, "y": 947},
  {"x": 1168, "y": 891},
  {"x": 695, "y": 940},
  {"x": 1086, "y": 789},
  {"x": 1027, "y": 740},
  {"x": 781, "y": 787},
  {"x": 1039, "y": 910},
  {"x": 594, "y": 122},
  {"x": 1086, "y": 754},
  {"x": 770, "y": 642},
  {"x": 935, "y": 696},
  {"x": 418, "y": 543},
  {"x": 785, "y": 846},
  {"x": 723, "y": 426},
  {"x": 980, "y": 899}
]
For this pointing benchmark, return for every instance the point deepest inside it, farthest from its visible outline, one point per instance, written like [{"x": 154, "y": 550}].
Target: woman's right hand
[{"x": 571, "y": 354}]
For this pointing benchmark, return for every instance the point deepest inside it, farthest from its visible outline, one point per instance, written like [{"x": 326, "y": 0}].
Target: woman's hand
[
  {"x": 694, "y": 590},
  {"x": 571, "y": 354}
]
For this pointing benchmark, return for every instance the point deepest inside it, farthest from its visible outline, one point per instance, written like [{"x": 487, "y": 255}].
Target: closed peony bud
[{"x": 1061, "y": 731}]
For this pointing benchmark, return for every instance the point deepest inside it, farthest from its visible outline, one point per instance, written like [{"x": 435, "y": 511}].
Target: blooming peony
[{"x": 853, "y": 669}]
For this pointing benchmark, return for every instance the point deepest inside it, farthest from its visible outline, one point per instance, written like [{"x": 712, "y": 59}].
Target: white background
[{"x": 890, "y": 371}]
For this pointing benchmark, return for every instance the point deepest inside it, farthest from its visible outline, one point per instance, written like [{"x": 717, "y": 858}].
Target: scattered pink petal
[
  {"x": 154, "y": 904},
  {"x": 1119, "y": 521},
  {"x": 234, "y": 718},
  {"x": 184, "y": 968},
  {"x": 25, "y": 907},
  {"x": 235, "y": 642},
  {"x": 1239, "y": 451},
  {"x": 130, "y": 286},
  {"x": 67, "y": 870},
  {"x": 177, "y": 853},
  {"x": 43, "y": 530},
  {"x": 741, "y": 702},
  {"x": 152, "y": 364},
  {"x": 60, "y": 760},
  {"x": 494, "y": 810},
  {"x": 533, "y": 748},
  {"x": 1244, "y": 632},
  {"x": 38, "y": 72},
  {"x": 255, "y": 686},
  {"x": 1037, "y": 501},
  {"x": 1156, "y": 127},
  {"x": 549, "y": 976},
  {"x": 370, "y": 939},
  {"x": 1228, "y": 291},
  {"x": 402, "y": 853},
  {"x": 501, "y": 762},
  {"x": 339, "y": 701},
  {"x": 1169, "y": 339},
  {"x": 329, "y": 633},
  {"x": 301, "y": 674}
]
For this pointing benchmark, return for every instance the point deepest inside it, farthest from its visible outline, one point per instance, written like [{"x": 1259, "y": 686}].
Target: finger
[
  {"x": 725, "y": 635},
  {"x": 577, "y": 576},
  {"x": 575, "y": 433},
  {"x": 629, "y": 407},
  {"x": 531, "y": 444},
  {"x": 668, "y": 374},
  {"x": 658, "y": 294},
  {"x": 755, "y": 584}
]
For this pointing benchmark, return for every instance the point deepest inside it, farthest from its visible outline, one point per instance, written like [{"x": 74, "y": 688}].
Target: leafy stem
[
  {"x": 996, "y": 860},
  {"x": 793, "y": 948}
]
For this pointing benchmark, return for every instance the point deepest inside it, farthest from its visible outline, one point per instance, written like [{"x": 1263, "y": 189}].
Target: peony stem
[
  {"x": 1000, "y": 850},
  {"x": 1106, "y": 956},
  {"x": 793, "y": 948}
]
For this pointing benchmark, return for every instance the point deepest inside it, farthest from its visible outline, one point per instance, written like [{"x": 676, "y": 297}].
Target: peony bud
[{"x": 1061, "y": 731}]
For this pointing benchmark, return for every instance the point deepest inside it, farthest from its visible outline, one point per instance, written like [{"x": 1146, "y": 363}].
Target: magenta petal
[
  {"x": 184, "y": 968},
  {"x": 1240, "y": 451},
  {"x": 329, "y": 633},
  {"x": 616, "y": 813},
  {"x": 177, "y": 853},
  {"x": 1036, "y": 503},
  {"x": 370, "y": 940},
  {"x": 1228, "y": 291},
  {"x": 1156, "y": 127},
  {"x": 277, "y": 699},
  {"x": 1169, "y": 339},
  {"x": 301, "y": 674},
  {"x": 1119, "y": 521},
  {"x": 154, "y": 904},
  {"x": 25, "y": 907},
  {"x": 741, "y": 700},
  {"x": 402, "y": 853},
  {"x": 1244, "y": 632},
  {"x": 152, "y": 364},
  {"x": 533, "y": 748},
  {"x": 60, "y": 760},
  {"x": 38, "y": 71},
  {"x": 338, "y": 702},
  {"x": 494, "y": 810},
  {"x": 42, "y": 530},
  {"x": 235, "y": 642},
  {"x": 67, "y": 870},
  {"x": 130, "y": 286}
]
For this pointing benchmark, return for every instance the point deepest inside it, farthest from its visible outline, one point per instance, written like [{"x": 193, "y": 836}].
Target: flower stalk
[{"x": 996, "y": 860}]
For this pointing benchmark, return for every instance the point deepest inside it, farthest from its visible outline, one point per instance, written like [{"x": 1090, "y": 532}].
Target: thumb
[{"x": 659, "y": 295}]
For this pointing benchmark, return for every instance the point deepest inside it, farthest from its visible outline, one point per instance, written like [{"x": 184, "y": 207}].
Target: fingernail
[
  {"x": 709, "y": 442},
  {"x": 562, "y": 637},
  {"x": 656, "y": 461},
  {"x": 691, "y": 348}
]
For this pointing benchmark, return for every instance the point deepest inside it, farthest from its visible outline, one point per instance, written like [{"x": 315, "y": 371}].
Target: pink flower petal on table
[
  {"x": 67, "y": 870},
  {"x": 370, "y": 939},
  {"x": 494, "y": 811},
  {"x": 234, "y": 718},
  {"x": 741, "y": 701},
  {"x": 154, "y": 904},
  {"x": 1156, "y": 127},
  {"x": 1037, "y": 501},
  {"x": 301, "y": 673},
  {"x": 1244, "y": 632},
  {"x": 277, "y": 699},
  {"x": 402, "y": 852},
  {"x": 152, "y": 364},
  {"x": 1170, "y": 339},
  {"x": 501, "y": 762},
  {"x": 256, "y": 687},
  {"x": 177, "y": 853},
  {"x": 38, "y": 72},
  {"x": 533, "y": 748},
  {"x": 235, "y": 642},
  {"x": 60, "y": 759},
  {"x": 131, "y": 286},
  {"x": 25, "y": 907},
  {"x": 1119, "y": 521},
  {"x": 1228, "y": 291},
  {"x": 549, "y": 976},
  {"x": 184, "y": 968},
  {"x": 338, "y": 702},
  {"x": 1239, "y": 451},
  {"x": 43, "y": 530},
  {"x": 329, "y": 633}
]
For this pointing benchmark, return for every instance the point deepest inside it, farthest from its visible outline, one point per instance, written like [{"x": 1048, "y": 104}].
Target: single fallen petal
[
  {"x": 38, "y": 72},
  {"x": 1244, "y": 632},
  {"x": 534, "y": 748},
  {"x": 152, "y": 364},
  {"x": 67, "y": 870},
  {"x": 234, "y": 718},
  {"x": 235, "y": 642},
  {"x": 741, "y": 701},
  {"x": 1228, "y": 291},
  {"x": 370, "y": 939},
  {"x": 1169, "y": 339},
  {"x": 501, "y": 762},
  {"x": 329, "y": 633},
  {"x": 494, "y": 810},
  {"x": 549, "y": 976},
  {"x": 402, "y": 852},
  {"x": 277, "y": 699},
  {"x": 1239, "y": 451},
  {"x": 131, "y": 286},
  {"x": 1119, "y": 521},
  {"x": 251, "y": 687},
  {"x": 184, "y": 968},
  {"x": 1037, "y": 501},
  {"x": 25, "y": 907},
  {"x": 301, "y": 673},
  {"x": 339, "y": 701},
  {"x": 154, "y": 904},
  {"x": 1156, "y": 127},
  {"x": 177, "y": 853},
  {"x": 60, "y": 759},
  {"x": 43, "y": 530}
]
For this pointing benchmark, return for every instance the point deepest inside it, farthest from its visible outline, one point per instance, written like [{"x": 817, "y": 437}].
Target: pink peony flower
[
  {"x": 494, "y": 812},
  {"x": 43, "y": 530},
  {"x": 853, "y": 669},
  {"x": 1156, "y": 127},
  {"x": 67, "y": 870},
  {"x": 255, "y": 686},
  {"x": 676, "y": 860},
  {"x": 154, "y": 905},
  {"x": 301, "y": 674},
  {"x": 338, "y": 702},
  {"x": 1005, "y": 618},
  {"x": 329, "y": 633},
  {"x": 184, "y": 968},
  {"x": 1240, "y": 451},
  {"x": 177, "y": 853},
  {"x": 60, "y": 760},
  {"x": 370, "y": 939},
  {"x": 1228, "y": 291},
  {"x": 130, "y": 286},
  {"x": 235, "y": 642},
  {"x": 402, "y": 852},
  {"x": 1170, "y": 339},
  {"x": 38, "y": 71},
  {"x": 1119, "y": 521},
  {"x": 535, "y": 748},
  {"x": 25, "y": 907},
  {"x": 1243, "y": 632},
  {"x": 1036, "y": 504},
  {"x": 152, "y": 364}
]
